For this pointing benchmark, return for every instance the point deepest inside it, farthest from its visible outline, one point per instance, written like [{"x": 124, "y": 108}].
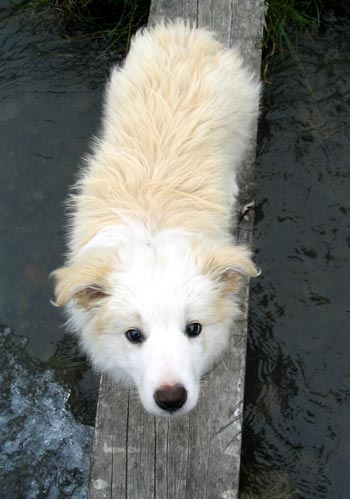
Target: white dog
[{"x": 152, "y": 276}]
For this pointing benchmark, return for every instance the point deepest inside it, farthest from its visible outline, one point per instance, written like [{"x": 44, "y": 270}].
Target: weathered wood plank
[{"x": 197, "y": 456}]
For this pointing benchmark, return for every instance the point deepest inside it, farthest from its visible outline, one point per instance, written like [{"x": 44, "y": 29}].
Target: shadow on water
[{"x": 296, "y": 438}]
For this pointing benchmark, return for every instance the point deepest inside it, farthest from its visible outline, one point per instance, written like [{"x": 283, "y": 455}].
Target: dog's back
[{"x": 178, "y": 116}]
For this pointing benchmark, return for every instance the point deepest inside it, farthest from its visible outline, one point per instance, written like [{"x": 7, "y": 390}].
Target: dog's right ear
[{"x": 85, "y": 281}]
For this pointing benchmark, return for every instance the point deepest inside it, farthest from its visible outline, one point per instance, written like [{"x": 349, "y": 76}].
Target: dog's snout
[{"x": 170, "y": 397}]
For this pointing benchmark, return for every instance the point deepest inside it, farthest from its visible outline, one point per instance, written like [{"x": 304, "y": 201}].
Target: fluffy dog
[{"x": 152, "y": 276}]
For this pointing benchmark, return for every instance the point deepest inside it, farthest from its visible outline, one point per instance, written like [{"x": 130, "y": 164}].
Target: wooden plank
[{"x": 197, "y": 456}]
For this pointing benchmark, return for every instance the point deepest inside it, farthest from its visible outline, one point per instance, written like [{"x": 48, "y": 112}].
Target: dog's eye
[
  {"x": 193, "y": 329},
  {"x": 134, "y": 335}
]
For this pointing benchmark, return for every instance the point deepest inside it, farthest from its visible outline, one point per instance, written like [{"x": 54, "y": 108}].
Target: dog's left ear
[{"x": 228, "y": 264}]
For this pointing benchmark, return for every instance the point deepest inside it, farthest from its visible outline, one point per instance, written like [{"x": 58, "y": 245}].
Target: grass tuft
[
  {"x": 111, "y": 22},
  {"x": 284, "y": 21}
]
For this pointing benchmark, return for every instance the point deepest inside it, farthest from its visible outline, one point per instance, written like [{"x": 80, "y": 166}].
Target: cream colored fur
[{"x": 178, "y": 117}]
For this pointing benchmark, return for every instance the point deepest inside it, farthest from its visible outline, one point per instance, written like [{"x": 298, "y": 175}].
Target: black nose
[{"x": 170, "y": 397}]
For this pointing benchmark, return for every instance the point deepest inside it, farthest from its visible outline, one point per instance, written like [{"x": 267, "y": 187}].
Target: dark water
[
  {"x": 296, "y": 433},
  {"x": 296, "y": 440},
  {"x": 50, "y": 100}
]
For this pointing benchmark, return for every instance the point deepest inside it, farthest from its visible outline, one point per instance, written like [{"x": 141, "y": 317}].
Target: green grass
[
  {"x": 284, "y": 21},
  {"x": 111, "y": 22}
]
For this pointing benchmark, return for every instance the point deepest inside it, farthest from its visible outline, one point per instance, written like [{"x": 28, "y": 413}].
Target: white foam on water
[{"x": 44, "y": 451}]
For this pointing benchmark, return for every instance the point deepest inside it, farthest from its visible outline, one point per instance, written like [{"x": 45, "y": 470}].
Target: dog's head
[{"x": 156, "y": 311}]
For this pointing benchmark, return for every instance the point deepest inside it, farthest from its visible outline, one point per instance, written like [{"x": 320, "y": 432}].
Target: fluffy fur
[{"x": 150, "y": 245}]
